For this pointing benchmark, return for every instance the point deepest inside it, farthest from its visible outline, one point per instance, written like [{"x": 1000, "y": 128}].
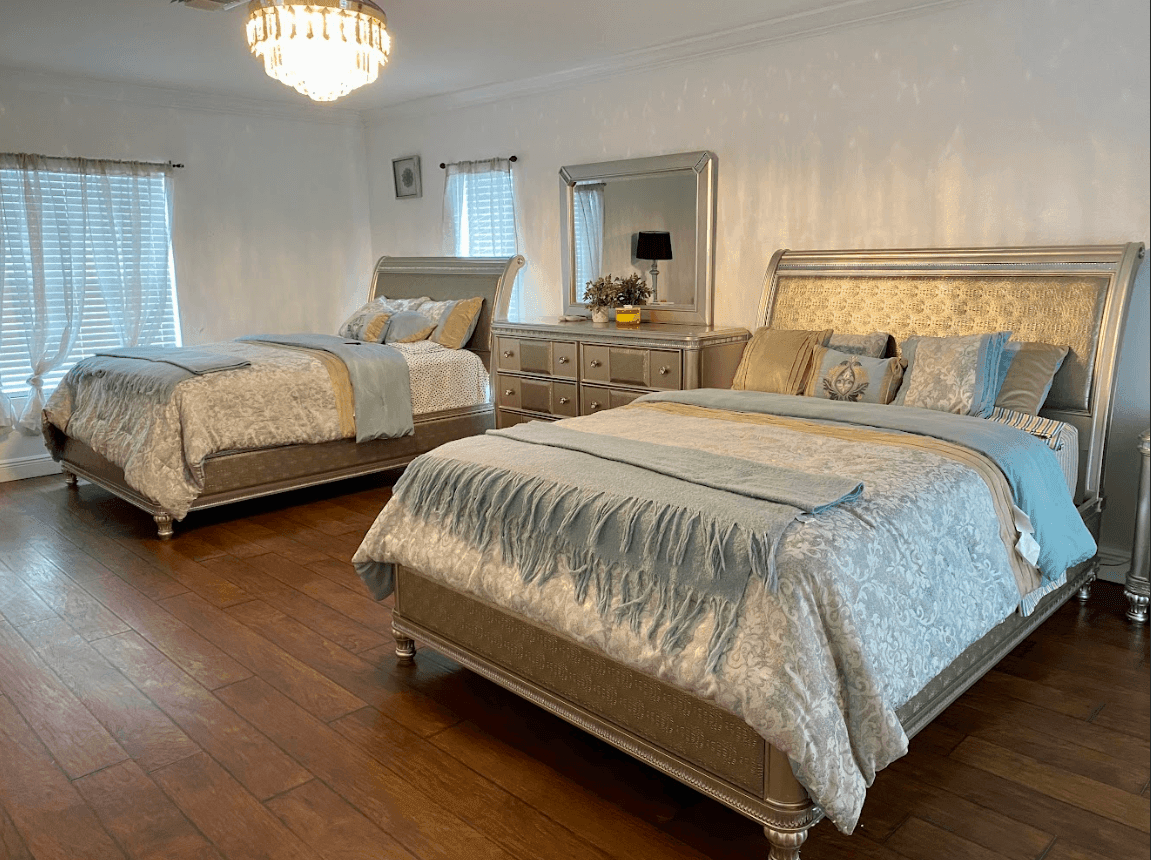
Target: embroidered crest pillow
[
  {"x": 854, "y": 378},
  {"x": 873, "y": 345}
]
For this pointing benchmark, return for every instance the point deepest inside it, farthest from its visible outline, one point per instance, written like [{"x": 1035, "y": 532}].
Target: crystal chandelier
[{"x": 322, "y": 48}]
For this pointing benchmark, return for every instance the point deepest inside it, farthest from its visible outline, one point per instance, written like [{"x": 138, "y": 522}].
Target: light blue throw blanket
[
  {"x": 152, "y": 371},
  {"x": 381, "y": 384},
  {"x": 676, "y": 533},
  {"x": 1037, "y": 483}
]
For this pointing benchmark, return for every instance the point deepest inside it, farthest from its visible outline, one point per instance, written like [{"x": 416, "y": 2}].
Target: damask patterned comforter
[
  {"x": 285, "y": 397},
  {"x": 874, "y": 598}
]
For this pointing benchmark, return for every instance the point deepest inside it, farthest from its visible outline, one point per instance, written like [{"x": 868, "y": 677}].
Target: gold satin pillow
[
  {"x": 456, "y": 328},
  {"x": 1029, "y": 376},
  {"x": 778, "y": 361}
]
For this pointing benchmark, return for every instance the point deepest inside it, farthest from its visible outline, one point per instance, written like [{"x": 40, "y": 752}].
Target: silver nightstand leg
[{"x": 1137, "y": 587}]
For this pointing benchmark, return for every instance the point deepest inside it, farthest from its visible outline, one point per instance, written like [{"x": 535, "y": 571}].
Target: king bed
[
  {"x": 234, "y": 459},
  {"x": 928, "y": 546}
]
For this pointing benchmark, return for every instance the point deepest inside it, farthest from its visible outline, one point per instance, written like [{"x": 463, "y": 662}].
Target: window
[
  {"x": 85, "y": 264},
  {"x": 480, "y": 211}
]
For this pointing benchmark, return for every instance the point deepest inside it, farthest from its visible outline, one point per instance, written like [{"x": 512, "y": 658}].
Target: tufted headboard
[
  {"x": 1073, "y": 296},
  {"x": 443, "y": 278}
]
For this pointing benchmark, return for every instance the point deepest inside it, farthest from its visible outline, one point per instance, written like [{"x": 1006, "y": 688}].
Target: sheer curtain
[
  {"x": 51, "y": 250},
  {"x": 131, "y": 247},
  {"x": 78, "y": 239},
  {"x": 587, "y": 218},
  {"x": 479, "y": 214}
]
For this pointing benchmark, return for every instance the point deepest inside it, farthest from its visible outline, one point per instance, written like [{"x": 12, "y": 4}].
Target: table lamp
[{"x": 653, "y": 245}]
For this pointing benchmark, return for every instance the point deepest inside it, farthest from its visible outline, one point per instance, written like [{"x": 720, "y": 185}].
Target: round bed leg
[
  {"x": 405, "y": 648},
  {"x": 1084, "y": 593},
  {"x": 785, "y": 844},
  {"x": 70, "y": 479},
  {"x": 163, "y": 525}
]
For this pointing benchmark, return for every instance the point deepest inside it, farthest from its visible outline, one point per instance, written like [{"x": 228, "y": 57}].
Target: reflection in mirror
[{"x": 671, "y": 200}]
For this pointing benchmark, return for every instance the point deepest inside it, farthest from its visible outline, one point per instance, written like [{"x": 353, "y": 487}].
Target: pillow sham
[
  {"x": 873, "y": 345},
  {"x": 954, "y": 374},
  {"x": 368, "y": 323},
  {"x": 778, "y": 361},
  {"x": 1047, "y": 429},
  {"x": 1027, "y": 372},
  {"x": 408, "y": 327},
  {"x": 400, "y": 305},
  {"x": 841, "y": 375},
  {"x": 458, "y": 322}
]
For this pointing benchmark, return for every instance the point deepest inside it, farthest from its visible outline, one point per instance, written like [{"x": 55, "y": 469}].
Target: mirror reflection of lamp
[{"x": 653, "y": 245}]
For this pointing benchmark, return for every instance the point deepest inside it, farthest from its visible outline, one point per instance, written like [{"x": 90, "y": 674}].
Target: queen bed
[
  {"x": 278, "y": 424},
  {"x": 924, "y": 548}
]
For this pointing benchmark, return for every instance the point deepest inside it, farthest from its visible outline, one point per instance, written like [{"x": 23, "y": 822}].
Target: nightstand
[
  {"x": 544, "y": 369},
  {"x": 1137, "y": 587}
]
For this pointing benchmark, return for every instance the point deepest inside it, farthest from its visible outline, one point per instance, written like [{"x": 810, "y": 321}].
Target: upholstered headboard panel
[
  {"x": 1074, "y": 296},
  {"x": 443, "y": 278}
]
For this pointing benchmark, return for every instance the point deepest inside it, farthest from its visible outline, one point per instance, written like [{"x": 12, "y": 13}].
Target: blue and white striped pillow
[{"x": 1047, "y": 429}]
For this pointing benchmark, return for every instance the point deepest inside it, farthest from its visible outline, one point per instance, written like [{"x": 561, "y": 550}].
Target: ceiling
[{"x": 440, "y": 47}]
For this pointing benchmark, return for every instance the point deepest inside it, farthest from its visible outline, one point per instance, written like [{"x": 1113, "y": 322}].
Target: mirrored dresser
[{"x": 545, "y": 369}]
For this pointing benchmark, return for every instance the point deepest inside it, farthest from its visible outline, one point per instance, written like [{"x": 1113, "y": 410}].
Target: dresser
[{"x": 544, "y": 369}]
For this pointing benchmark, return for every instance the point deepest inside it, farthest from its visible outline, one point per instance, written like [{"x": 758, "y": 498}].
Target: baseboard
[{"x": 19, "y": 468}]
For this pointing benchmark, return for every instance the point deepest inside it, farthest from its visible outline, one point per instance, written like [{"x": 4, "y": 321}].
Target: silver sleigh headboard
[{"x": 1075, "y": 296}]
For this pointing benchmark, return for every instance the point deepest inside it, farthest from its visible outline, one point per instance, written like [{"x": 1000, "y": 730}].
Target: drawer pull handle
[
  {"x": 563, "y": 359},
  {"x": 563, "y": 401},
  {"x": 595, "y": 362},
  {"x": 664, "y": 371},
  {"x": 595, "y": 405},
  {"x": 508, "y": 392},
  {"x": 508, "y": 353}
]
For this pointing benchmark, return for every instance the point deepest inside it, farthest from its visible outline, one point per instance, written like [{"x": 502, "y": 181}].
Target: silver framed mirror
[{"x": 671, "y": 199}]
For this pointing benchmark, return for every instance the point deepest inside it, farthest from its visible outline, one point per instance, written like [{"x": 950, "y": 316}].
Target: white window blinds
[
  {"x": 479, "y": 217},
  {"x": 85, "y": 264}
]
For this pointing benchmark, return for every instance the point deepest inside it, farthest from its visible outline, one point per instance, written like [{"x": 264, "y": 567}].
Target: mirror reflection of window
[{"x": 587, "y": 217}]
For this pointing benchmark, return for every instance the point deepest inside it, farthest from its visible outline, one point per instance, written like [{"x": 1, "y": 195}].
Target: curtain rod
[
  {"x": 444, "y": 166},
  {"x": 172, "y": 164}
]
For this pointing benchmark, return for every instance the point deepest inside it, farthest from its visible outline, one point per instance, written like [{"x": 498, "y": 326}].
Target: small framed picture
[{"x": 407, "y": 175}]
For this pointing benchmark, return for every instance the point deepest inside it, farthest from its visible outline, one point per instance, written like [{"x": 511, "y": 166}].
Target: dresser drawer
[
  {"x": 543, "y": 357},
  {"x": 646, "y": 368},
  {"x": 594, "y": 399},
  {"x": 544, "y": 396}
]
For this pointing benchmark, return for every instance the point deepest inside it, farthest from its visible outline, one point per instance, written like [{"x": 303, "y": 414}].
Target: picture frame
[{"x": 406, "y": 173}]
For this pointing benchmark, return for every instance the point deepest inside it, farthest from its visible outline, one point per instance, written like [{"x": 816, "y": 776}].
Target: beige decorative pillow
[
  {"x": 1029, "y": 376},
  {"x": 778, "y": 361},
  {"x": 456, "y": 326}
]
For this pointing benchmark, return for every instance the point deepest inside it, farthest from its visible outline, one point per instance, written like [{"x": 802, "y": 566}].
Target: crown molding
[
  {"x": 172, "y": 98},
  {"x": 784, "y": 28}
]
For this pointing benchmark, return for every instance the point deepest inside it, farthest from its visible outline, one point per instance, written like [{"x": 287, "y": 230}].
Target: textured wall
[{"x": 982, "y": 124}]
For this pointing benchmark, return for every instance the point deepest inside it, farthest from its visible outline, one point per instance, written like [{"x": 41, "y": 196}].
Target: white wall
[
  {"x": 270, "y": 222},
  {"x": 982, "y": 124}
]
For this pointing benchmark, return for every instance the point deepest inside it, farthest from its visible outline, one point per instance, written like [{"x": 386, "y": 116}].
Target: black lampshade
[{"x": 653, "y": 245}]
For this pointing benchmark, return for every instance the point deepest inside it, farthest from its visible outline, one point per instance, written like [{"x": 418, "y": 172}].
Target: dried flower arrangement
[{"x": 609, "y": 292}]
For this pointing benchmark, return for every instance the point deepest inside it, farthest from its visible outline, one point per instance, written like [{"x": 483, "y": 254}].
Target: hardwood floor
[{"x": 233, "y": 694}]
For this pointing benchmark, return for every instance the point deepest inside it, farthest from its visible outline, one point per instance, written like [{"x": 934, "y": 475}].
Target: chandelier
[{"x": 322, "y": 48}]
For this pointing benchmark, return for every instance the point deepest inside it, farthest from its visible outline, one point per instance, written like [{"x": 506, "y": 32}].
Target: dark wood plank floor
[{"x": 233, "y": 694}]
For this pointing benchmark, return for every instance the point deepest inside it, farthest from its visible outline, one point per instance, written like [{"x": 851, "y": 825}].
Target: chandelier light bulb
[{"x": 321, "y": 48}]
